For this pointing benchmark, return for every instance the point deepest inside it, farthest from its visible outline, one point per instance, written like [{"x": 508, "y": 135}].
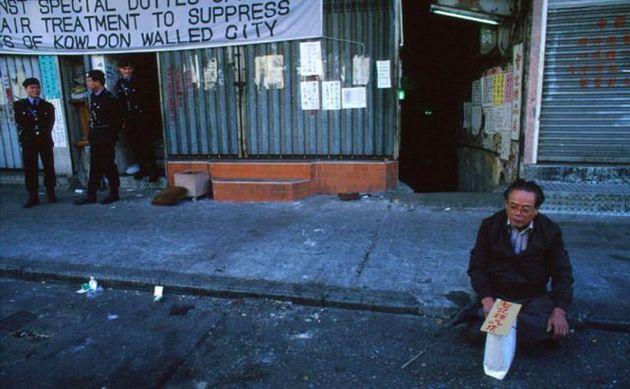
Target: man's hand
[
  {"x": 558, "y": 323},
  {"x": 487, "y": 303}
]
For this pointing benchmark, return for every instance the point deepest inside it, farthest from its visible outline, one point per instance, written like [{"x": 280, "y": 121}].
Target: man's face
[
  {"x": 33, "y": 91},
  {"x": 126, "y": 71},
  {"x": 92, "y": 85},
  {"x": 521, "y": 208}
]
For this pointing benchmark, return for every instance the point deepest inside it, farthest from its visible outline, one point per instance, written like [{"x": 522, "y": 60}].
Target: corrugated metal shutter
[
  {"x": 585, "y": 111},
  {"x": 204, "y": 120},
  {"x": 13, "y": 70}
]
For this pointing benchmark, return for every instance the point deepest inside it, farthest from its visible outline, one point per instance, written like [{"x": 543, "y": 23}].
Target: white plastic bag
[{"x": 499, "y": 353}]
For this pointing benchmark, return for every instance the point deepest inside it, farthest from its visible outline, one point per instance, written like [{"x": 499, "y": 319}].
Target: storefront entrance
[
  {"x": 73, "y": 69},
  {"x": 438, "y": 63}
]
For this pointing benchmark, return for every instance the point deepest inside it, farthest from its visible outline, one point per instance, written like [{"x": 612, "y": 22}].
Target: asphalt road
[{"x": 121, "y": 339}]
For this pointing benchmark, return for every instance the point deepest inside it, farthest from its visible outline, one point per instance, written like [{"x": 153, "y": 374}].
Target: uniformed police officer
[
  {"x": 132, "y": 99},
  {"x": 35, "y": 118},
  {"x": 105, "y": 119}
]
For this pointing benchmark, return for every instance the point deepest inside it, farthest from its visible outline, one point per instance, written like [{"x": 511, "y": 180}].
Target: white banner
[{"x": 116, "y": 26}]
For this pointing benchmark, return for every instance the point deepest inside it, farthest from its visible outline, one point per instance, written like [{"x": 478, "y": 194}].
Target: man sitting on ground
[{"x": 518, "y": 250}]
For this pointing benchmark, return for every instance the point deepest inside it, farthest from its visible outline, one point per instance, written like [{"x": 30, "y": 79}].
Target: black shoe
[
  {"x": 111, "y": 198},
  {"x": 85, "y": 200},
  {"x": 51, "y": 197},
  {"x": 32, "y": 201},
  {"x": 473, "y": 335},
  {"x": 469, "y": 313}
]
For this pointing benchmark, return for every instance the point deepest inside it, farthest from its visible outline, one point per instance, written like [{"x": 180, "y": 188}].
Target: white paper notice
[
  {"x": 59, "y": 128},
  {"x": 310, "y": 94},
  {"x": 360, "y": 70},
  {"x": 353, "y": 98},
  {"x": 476, "y": 92},
  {"x": 383, "y": 74},
  {"x": 310, "y": 58},
  {"x": 517, "y": 89},
  {"x": 270, "y": 71},
  {"x": 331, "y": 95},
  {"x": 210, "y": 74}
]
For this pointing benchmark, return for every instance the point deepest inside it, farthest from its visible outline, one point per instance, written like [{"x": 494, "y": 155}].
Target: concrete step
[
  {"x": 586, "y": 198},
  {"x": 260, "y": 189}
]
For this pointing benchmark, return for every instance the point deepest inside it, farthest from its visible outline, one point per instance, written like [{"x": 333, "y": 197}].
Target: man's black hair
[
  {"x": 96, "y": 75},
  {"x": 527, "y": 186}
]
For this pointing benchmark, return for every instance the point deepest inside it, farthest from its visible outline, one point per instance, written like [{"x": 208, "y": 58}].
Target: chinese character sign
[{"x": 501, "y": 317}]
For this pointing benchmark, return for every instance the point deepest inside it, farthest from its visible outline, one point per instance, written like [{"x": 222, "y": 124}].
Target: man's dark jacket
[
  {"x": 105, "y": 119},
  {"x": 27, "y": 122},
  {"x": 495, "y": 270}
]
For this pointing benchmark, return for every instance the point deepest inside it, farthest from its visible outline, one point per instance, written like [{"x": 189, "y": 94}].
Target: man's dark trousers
[
  {"x": 32, "y": 149},
  {"x": 102, "y": 163}
]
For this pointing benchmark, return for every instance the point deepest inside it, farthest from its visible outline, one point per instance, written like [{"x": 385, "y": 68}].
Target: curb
[{"x": 312, "y": 294}]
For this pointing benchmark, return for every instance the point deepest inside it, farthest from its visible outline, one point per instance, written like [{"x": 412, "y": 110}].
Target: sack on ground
[
  {"x": 170, "y": 196},
  {"x": 499, "y": 353}
]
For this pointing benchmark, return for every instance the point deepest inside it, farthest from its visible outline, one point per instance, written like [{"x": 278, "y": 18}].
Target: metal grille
[
  {"x": 270, "y": 122},
  {"x": 13, "y": 70},
  {"x": 585, "y": 111}
]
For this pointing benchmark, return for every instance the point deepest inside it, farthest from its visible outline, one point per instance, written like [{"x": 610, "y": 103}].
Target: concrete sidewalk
[{"x": 396, "y": 252}]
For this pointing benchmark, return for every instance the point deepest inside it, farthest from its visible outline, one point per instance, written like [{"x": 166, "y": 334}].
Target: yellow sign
[{"x": 501, "y": 317}]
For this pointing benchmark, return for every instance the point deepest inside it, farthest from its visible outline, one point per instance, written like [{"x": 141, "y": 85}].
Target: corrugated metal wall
[
  {"x": 212, "y": 120},
  {"x": 13, "y": 70},
  {"x": 585, "y": 110},
  {"x": 200, "y": 117}
]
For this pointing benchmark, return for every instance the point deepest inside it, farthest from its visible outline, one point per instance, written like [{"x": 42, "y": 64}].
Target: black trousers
[
  {"x": 531, "y": 325},
  {"x": 32, "y": 149},
  {"x": 141, "y": 143},
  {"x": 102, "y": 163}
]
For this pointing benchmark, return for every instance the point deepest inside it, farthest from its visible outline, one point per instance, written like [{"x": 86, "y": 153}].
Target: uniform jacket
[
  {"x": 494, "y": 269},
  {"x": 131, "y": 97},
  {"x": 105, "y": 119},
  {"x": 34, "y": 122}
]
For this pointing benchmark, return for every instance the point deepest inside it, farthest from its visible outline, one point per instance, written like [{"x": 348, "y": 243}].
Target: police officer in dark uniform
[
  {"x": 105, "y": 121},
  {"x": 132, "y": 99},
  {"x": 35, "y": 118}
]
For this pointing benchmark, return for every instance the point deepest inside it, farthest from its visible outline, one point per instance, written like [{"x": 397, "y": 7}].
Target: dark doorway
[
  {"x": 438, "y": 66},
  {"x": 146, "y": 71}
]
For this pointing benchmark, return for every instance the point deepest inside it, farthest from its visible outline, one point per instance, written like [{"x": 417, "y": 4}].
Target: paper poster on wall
[
  {"x": 310, "y": 58},
  {"x": 210, "y": 74},
  {"x": 383, "y": 74},
  {"x": 360, "y": 70},
  {"x": 498, "y": 88},
  {"x": 270, "y": 71},
  {"x": 517, "y": 89},
  {"x": 476, "y": 92},
  {"x": 331, "y": 95},
  {"x": 309, "y": 91},
  {"x": 49, "y": 77},
  {"x": 353, "y": 98},
  {"x": 489, "y": 120},
  {"x": 59, "y": 128}
]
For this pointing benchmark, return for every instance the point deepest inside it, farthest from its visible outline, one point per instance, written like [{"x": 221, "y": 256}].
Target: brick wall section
[{"x": 289, "y": 181}]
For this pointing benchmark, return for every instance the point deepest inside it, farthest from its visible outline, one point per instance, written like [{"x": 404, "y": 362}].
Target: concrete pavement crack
[
  {"x": 172, "y": 370},
  {"x": 373, "y": 241}
]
